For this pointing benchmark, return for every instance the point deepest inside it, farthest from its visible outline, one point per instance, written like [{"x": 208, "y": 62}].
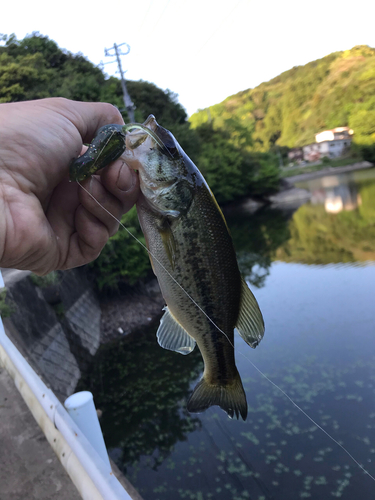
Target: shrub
[{"x": 123, "y": 259}]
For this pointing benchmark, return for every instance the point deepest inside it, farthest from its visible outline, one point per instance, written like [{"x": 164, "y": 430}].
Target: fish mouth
[{"x": 137, "y": 133}]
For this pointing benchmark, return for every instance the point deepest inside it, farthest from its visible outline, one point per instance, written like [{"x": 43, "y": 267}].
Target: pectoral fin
[
  {"x": 168, "y": 242},
  {"x": 171, "y": 335},
  {"x": 250, "y": 324}
]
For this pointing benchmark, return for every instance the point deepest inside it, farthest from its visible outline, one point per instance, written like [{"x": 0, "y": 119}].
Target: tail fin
[{"x": 230, "y": 397}]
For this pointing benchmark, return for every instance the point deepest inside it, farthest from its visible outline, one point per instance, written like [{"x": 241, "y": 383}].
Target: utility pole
[{"x": 127, "y": 101}]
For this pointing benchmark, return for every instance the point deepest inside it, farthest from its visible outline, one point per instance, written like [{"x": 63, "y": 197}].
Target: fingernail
[{"x": 126, "y": 178}]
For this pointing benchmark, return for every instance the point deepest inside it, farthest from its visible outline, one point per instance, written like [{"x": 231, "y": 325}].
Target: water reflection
[
  {"x": 318, "y": 347},
  {"x": 256, "y": 238},
  {"x": 337, "y": 198},
  {"x": 337, "y": 226},
  {"x": 142, "y": 390},
  {"x": 339, "y": 192}
]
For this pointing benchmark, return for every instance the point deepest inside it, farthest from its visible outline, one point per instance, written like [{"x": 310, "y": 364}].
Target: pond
[{"x": 312, "y": 271}]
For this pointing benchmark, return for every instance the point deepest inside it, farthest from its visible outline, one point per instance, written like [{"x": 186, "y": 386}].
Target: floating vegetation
[
  {"x": 320, "y": 481},
  {"x": 251, "y": 437}
]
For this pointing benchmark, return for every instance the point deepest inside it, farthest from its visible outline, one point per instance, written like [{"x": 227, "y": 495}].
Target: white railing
[{"x": 88, "y": 468}]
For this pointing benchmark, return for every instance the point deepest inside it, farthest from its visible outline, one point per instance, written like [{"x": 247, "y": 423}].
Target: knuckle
[{"x": 112, "y": 112}]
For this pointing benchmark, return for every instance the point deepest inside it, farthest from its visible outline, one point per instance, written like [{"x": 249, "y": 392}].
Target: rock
[
  {"x": 136, "y": 309},
  {"x": 250, "y": 205},
  {"x": 293, "y": 196}
]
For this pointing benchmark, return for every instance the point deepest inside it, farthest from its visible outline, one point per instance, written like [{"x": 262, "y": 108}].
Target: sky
[{"x": 203, "y": 50}]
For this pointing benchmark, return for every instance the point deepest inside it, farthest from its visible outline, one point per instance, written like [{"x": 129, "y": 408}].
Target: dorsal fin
[{"x": 250, "y": 324}]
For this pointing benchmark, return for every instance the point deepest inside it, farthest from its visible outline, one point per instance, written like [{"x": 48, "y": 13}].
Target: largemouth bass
[{"x": 192, "y": 255}]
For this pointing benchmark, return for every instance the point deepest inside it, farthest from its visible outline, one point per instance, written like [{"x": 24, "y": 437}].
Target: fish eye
[
  {"x": 169, "y": 151},
  {"x": 169, "y": 148},
  {"x": 172, "y": 150},
  {"x": 167, "y": 140}
]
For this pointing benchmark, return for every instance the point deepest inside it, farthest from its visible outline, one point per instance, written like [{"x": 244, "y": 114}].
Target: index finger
[{"x": 87, "y": 117}]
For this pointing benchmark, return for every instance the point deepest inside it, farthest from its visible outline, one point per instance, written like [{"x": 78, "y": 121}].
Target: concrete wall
[{"x": 57, "y": 328}]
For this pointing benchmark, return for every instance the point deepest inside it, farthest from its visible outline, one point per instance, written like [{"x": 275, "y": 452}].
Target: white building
[
  {"x": 331, "y": 143},
  {"x": 336, "y": 134}
]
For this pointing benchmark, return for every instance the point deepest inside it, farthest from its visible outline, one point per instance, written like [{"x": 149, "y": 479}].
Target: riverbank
[{"x": 328, "y": 170}]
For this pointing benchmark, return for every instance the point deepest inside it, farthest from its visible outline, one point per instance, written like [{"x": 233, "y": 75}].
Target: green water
[{"x": 313, "y": 273}]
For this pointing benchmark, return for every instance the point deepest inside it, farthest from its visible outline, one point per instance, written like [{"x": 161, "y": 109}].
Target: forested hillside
[{"x": 337, "y": 90}]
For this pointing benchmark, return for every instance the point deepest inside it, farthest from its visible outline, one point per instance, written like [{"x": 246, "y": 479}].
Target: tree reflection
[
  {"x": 142, "y": 390},
  {"x": 320, "y": 237},
  {"x": 256, "y": 238}
]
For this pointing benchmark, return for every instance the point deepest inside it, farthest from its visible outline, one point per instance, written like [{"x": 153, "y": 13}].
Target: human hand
[{"x": 47, "y": 222}]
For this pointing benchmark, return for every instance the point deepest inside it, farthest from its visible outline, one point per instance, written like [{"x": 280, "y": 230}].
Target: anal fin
[
  {"x": 250, "y": 324},
  {"x": 171, "y": 335}
]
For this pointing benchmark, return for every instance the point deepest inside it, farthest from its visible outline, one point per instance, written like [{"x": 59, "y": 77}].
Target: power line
[
  {"x": 145, "y": 16},
  {"x": 161, "y": 15},
  {"x": 227, "y": 16}
]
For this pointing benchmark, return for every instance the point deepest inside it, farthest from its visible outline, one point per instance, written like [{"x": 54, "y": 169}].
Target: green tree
[
  {"x": 231, "y": 171},
  {"x": 123, "y": 260},
  {"x": 220, "y": 163},
  {"x": 36, "y": 67},
  {"x": 163, "y": 103},
  {"x": 23, "y": 77}
]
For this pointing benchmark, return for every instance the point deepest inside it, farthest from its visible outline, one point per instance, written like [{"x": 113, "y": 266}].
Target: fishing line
[
  {"x": 151, "y": 133},
  {"x": 310, "y": 418},
  {"x": 226, "y": 336},
  {"x": 145, "y": 16},
  {"x": 224, "y": 21}
]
